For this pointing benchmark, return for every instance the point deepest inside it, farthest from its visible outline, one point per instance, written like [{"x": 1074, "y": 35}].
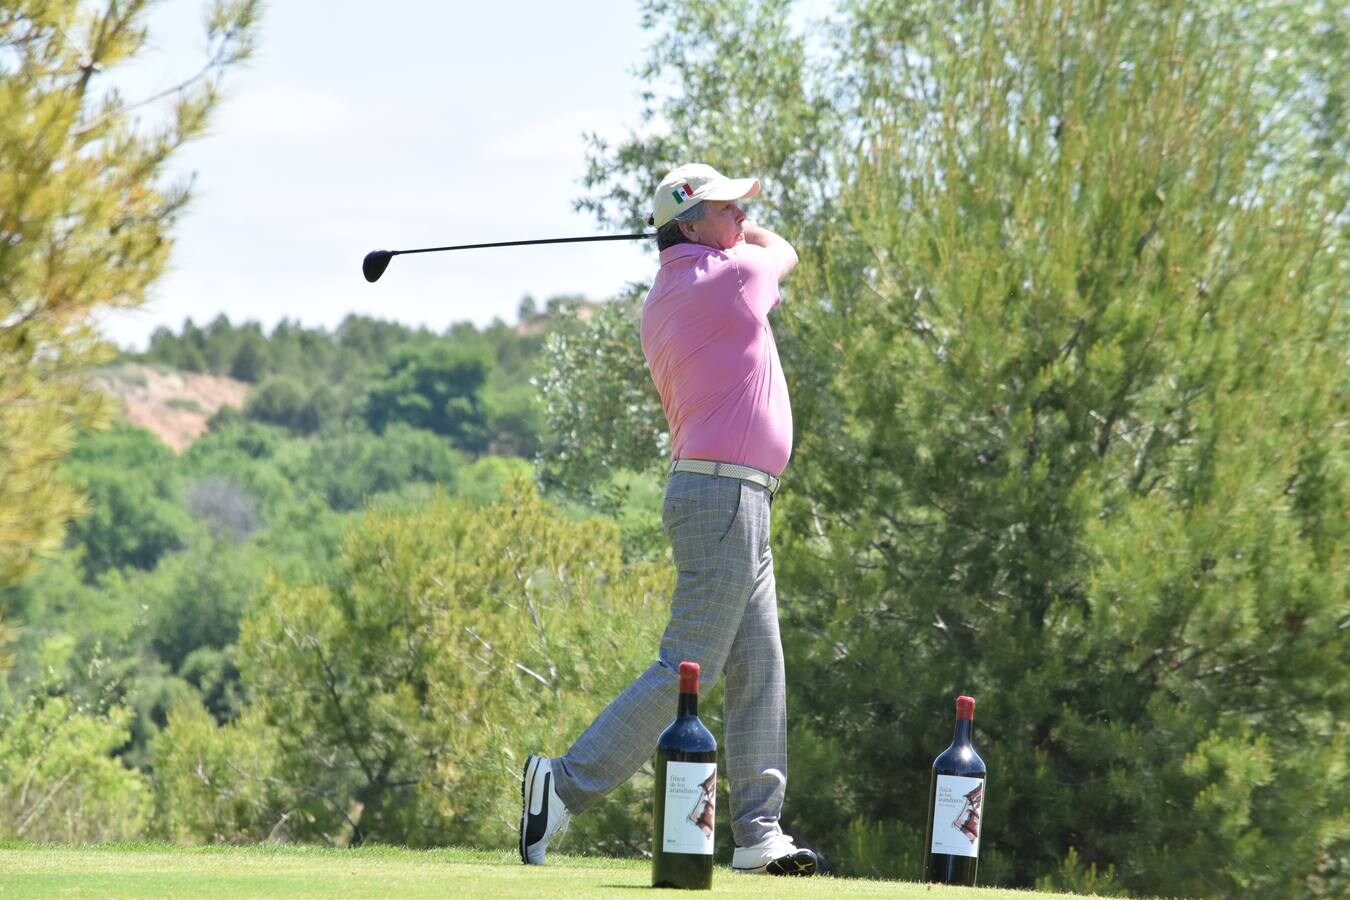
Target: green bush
[
  {"x": 346, "y": 467},
  {"x": 216, "y": 783},
  {"x": 400, "y": 698},
  {"x": 279, "y": 401},
  {"x": 436, "y": 387},
  {"x": 196, "y": 599},
  {"x": 59, "y": 779},
  {"x": 135, "y": 514}
]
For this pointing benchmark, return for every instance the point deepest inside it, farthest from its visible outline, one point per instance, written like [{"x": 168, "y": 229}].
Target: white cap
[{"x": 693, "y": 183}]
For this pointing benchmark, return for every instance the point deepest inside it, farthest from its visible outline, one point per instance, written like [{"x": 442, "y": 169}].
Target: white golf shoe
[
  {"x": 543, "y": 817},
  {"x": 775, "y": 855}
]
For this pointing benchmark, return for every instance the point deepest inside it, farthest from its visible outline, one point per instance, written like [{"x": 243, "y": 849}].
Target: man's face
[{"x": 721, "y": 226}]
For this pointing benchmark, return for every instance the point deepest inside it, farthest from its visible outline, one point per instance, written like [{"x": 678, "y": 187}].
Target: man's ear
[{"x": 686, "y": 229}]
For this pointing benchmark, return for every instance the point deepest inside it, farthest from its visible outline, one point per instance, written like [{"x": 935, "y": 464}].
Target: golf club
[{"x": 377, "y": 261}]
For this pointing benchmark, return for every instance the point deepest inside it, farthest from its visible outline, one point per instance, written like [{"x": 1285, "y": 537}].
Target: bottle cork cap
[
  {"x": 689, "y": 677},
  {"x": 965, "y": 707}
]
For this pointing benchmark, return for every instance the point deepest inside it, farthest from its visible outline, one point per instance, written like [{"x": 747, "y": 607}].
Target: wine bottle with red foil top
[
  {"x": 955, "y": 806},
  {"x": 686, "y": 795}
]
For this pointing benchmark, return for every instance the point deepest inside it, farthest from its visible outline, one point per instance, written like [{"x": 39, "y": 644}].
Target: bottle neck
[
  {"x": 962, "y": 735},
  {"x": 688, "y": 704}
]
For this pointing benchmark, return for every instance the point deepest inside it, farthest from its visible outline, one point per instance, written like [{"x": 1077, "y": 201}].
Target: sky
[{"x": 393, "y": 125}]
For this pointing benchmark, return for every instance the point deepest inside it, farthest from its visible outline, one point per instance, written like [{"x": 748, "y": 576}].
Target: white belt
[{"x": 727, "y": 470}]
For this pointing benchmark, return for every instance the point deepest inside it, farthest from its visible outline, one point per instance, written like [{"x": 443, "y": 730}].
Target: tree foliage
[
  {"x": 400, "y": 696},
  {"x": 144, "y": 601},
  {"x": 85, "y": 222},
  {"x": 436, "y": 388},
  {"x": 473, "y": 386},
  {"x": 600, "y": 405},
  {"x": 135, "y": 515},
  {"x": 347, "y": 468},
  {"x": 218, "y": 784},
  {"x": 59, "y": 781},
  {"x": 1060, "y": 266}
]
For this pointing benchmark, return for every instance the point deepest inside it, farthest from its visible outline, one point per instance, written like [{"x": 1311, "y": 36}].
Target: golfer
[{"x": 711, "y": 352}]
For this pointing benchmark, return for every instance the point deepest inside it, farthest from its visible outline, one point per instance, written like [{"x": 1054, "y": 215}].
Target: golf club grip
[{"x": 567, "y": 240}]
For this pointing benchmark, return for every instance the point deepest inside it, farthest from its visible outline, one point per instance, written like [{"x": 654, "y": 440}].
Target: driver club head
[{"x": 375, "y": 263}]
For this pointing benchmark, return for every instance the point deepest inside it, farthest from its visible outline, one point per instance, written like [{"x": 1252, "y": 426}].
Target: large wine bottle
[
  {"x": 955, "y": 806},
  {"x": 686, "y": 795}
]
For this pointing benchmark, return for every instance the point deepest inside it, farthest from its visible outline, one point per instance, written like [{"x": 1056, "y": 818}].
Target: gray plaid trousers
[{"x": 723, "y": 616}]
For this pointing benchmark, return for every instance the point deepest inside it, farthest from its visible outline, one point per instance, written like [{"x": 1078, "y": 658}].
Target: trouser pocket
[
  {"x": 735, "y": 509},
  {"x": 701, "y": 509}
]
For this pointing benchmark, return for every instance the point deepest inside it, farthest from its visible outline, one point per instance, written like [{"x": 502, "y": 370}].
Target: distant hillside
[
  {"x": 173, "y": 405},
  {"x": 474, "y": 387}
]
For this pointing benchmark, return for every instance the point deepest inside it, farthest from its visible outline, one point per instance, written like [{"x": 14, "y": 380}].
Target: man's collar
[{"x": 682, "y": 250}]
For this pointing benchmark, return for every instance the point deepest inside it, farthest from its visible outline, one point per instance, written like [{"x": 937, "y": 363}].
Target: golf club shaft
[
  {"x": 567, "y": 240},
  {"x": 377, "y": 261}
]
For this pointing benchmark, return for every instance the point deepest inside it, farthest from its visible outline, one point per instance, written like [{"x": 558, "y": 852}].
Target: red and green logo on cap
[{"x": 683, "y": 192}]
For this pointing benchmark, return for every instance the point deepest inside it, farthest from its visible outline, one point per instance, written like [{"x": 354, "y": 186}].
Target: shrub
[
  {"x": 59, "y": 779},
  {"x": 402, "y": 695}
]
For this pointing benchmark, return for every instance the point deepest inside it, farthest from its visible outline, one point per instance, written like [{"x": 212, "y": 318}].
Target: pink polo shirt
[{"x": 706, "y": 336}]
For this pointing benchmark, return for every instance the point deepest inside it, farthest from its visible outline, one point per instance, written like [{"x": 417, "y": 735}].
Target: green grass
[{"x": 158, "y": 870}]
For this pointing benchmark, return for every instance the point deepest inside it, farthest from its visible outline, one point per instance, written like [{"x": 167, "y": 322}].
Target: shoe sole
[{"x": 800, "y": 864}]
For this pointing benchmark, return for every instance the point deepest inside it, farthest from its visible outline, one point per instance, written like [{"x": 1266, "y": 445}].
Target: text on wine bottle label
[
  {"x": 691, "y": 800},
  {"x": 958, "y": 809}
]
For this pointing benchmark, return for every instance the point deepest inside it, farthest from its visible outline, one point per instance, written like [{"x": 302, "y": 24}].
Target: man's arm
[{"x": 781, "y": 249}]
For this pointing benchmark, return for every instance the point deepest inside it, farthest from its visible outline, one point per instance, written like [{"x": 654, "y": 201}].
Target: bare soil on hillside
[{"x": 173, "y": 405}]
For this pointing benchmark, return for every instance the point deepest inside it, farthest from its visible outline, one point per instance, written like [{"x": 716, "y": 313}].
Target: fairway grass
[{"x": 151, "y": 870}]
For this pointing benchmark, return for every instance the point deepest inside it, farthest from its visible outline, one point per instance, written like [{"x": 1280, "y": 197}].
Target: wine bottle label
[
  {"x": 957, "y": 811},
  {"x": 691, "y": 798}
]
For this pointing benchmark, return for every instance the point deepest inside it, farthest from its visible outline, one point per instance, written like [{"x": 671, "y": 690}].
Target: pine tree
[{"x": 86, "y": 216}]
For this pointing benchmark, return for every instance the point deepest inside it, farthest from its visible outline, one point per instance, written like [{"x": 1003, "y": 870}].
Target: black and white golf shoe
[
  {"x": 543, "y": 817},
  {"x": 775, "y": 855}
]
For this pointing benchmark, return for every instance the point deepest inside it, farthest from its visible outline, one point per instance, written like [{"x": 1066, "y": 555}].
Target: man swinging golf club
[{"x": 708, "y": 344}]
